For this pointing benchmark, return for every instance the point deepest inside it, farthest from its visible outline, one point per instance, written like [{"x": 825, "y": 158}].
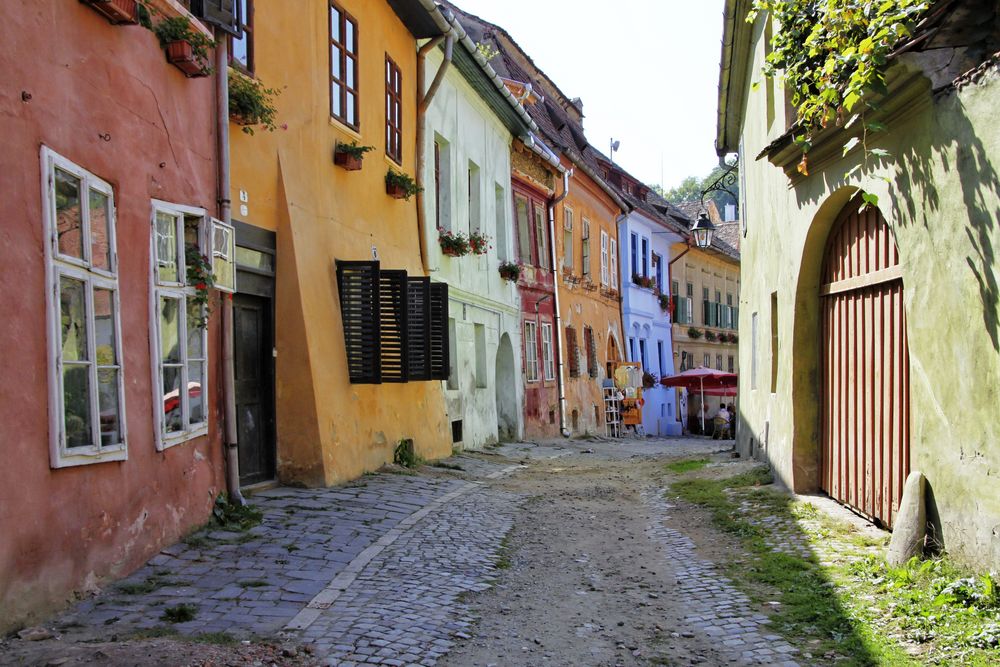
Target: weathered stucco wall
[
  {"x": 329, "y": 430},
  {"x": 105, "y": 98},
  {"x": 484, "y": 306},
  {"x": 597, "y": 306},
  {"x": 940, "y": 194}
]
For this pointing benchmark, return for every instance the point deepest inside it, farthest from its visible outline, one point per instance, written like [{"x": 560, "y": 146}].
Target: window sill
[
  {"x": 175, "y": 439},
  {"x": 64, "y": 459},
  {"x": 353, "y": 132}
]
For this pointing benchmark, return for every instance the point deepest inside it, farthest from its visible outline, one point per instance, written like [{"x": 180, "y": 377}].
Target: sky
[{"x": 646, "y": 70}]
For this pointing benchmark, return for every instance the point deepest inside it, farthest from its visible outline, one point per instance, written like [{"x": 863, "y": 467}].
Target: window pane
[
  {"x": 107, "y": 388},
  {"x": 195, "y": 333},
  {"x": 350, "y": 109},
  {"x": 349, "y": 73},
  {"x": 170, "y": 330},
  {"x": 254, "y": 259},
  {"x": 69, "y": 218},
  {"x": 104, "y": 327},
  {"x": 196, "y": 397},
  {"x": 334, "y": 24},
  {"x": 337, "y": 106},
  {"x": 76, "y": 405},
  {"x": 192, "y": 238},
  {"x": 73, "y": 319},
  {"x": 172, "y": 418},
  {"x": 100, "y": 230},
  {"x": 166, "y": 247},
  {"x": 349, "y": 37},
  {"x": 240, "y": 50},
  {"x": 335, "y": 63}
]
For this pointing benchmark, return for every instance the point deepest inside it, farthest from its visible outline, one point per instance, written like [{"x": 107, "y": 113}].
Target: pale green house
[{"x": 872, "y": 343}]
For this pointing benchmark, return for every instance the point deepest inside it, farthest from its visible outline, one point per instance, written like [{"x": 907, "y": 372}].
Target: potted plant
[
  {"x": 664, "y": 302},
  {"x": 733, "y": 338},
  {"x": 453, "y": 245},
  {"x": 479, "y": 243},
  {"x": 400, "y": 186},
  {"x": 648, "y": 381},
  {"x": 510, "y": 271},
  {"x": 187, "y": 49},
  {"x": 711, "y": 336},
  {"x": 694, "y": 334},
  {"x": 118, "y": 12},
  {"x": 250, "y": 103},
  {"x": 350, "y": 156}
]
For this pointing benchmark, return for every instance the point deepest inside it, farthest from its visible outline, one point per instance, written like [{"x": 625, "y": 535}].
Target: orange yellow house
[{"x": 346, "y": 72}]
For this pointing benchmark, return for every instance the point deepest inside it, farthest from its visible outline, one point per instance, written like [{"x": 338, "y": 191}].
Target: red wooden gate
[{"x": 866, "y": 383}]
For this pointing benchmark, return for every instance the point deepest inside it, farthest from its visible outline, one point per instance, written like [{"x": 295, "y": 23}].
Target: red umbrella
[{"x": 700, "y": 379}]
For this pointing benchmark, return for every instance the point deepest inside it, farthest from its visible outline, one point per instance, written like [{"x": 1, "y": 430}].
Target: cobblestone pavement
[
  {"x": 717, "y": 609},
  {"x": 257, "y": 582}
]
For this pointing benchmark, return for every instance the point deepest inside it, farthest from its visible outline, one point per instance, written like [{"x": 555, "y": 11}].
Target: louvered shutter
[
  {"x": 358, "y": 284},
  {"x": 591, "y": 352},
  {"x": 574, "y": 353},
  {"x": 221, "y": 13},
  {"x": 419, "y": 328},
  {"x": 439, "y": 331},
  {"x": 393, "y": 328}
]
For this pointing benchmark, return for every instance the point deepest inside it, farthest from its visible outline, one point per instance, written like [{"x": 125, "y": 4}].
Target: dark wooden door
[
  {"x": 254, "y": 371},
  {"x": 866, "y": 383}
]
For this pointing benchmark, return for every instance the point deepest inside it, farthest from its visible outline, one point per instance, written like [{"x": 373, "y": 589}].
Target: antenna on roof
[{"x": 614, "y": 148}]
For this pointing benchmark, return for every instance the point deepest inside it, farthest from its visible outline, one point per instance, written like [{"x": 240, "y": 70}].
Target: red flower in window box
[{"x": 118, "y": 12}]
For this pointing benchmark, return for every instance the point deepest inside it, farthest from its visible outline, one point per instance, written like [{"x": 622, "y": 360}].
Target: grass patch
[
  {"x": 687, "y": 465},
  {"x": 446, "y": 465},
  {"x": 180, "y": 613},
  {"x": 159, "y": 632},
  {"x": 197, "y": 540},
  {"x": 855, "y": 611},
  {"x": 503, "y": 561},
  {"x": 215, "y": 638},
  {"x": 235, "y": 517}
]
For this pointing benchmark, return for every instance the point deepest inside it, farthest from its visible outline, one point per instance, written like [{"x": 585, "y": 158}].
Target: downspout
[
  {"x": 232, "y": 453},
  {"x": 424, "y": 104},
  {"x": 560, "y": 352}
]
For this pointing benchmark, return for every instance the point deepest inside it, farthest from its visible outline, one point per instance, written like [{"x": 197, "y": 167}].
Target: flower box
[
  {"x": 180, "y": 54},
  {"x": 118, "y": 12},
  {"x": 396, "y": 191},
  {"x": 348, "y": 162},
  {"x": 510, "y": 271}
]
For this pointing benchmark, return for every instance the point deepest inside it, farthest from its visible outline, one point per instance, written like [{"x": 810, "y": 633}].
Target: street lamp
[{"x": 703, "y": 230}]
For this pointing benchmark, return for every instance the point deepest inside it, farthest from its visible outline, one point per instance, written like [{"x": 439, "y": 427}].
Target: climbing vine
[{"x": 831, "y": 54}]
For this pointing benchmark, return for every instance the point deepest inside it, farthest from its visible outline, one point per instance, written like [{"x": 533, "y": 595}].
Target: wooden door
[
  {"x": 866, "y": 390},
  {"x": 254, "y": 364}
]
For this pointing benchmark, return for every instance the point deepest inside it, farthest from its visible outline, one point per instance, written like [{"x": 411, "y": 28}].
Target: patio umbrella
[{"x": 700, "y": 379}]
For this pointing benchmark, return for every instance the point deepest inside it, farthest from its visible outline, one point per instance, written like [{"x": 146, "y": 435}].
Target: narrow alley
[{"x": 568, "y": 553}]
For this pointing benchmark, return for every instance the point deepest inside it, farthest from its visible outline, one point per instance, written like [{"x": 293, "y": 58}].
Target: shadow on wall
[{"x": 952, "y": 131}]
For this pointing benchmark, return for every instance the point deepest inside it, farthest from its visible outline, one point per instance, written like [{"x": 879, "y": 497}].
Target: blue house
[{"x": 645, "y": 237}]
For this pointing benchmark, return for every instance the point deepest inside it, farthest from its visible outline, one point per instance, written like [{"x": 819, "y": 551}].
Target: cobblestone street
[{"x": 566, "y": 553}]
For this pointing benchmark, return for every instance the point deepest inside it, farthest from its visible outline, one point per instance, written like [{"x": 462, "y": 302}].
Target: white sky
[{"x": 647, "y": 71}]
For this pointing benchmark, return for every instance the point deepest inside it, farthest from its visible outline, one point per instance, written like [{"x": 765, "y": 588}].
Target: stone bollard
[{"x": 910, "y": 527}]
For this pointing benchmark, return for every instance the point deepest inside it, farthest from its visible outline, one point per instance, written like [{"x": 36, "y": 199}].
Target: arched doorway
[
  {"x": 614, "y": 354},
  {"x": 865, "y": 361},
  {"x": 506, "y": 391}
]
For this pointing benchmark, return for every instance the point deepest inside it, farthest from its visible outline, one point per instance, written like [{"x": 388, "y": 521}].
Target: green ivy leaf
[{"x": 869, "y": 199}]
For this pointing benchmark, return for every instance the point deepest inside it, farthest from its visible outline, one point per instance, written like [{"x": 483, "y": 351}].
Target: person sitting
[{"x": 722, "y": 419}]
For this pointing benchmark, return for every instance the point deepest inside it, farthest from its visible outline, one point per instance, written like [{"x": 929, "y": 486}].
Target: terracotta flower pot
[
  {"x": 180, "y": 54},
  {"x": 118, "y": 12},
  {"x": 348, "y": 161},
  {"x": 395, "y": 191}
]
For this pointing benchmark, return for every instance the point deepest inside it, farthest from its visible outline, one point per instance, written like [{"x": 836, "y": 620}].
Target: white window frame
[
  {"x": 568, "y": 238},
  {"x": 57, "y": 266},
  {"x": 585, "y": 248},
  {"x": 224, "y": 256},
  {"x": 614, "y": 263},
  {"x": 548, "y": 361},
  {"x": 160, "y": 289},
  {"x": 604, "y": 257},
  {"x": 530, "y": 351}
]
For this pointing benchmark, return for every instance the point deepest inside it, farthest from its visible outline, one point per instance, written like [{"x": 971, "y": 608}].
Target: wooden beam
[{"x": 860, "y": 282}]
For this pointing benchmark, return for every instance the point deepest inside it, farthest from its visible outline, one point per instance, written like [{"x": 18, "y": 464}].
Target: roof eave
[{"x": 732, "y": 71}]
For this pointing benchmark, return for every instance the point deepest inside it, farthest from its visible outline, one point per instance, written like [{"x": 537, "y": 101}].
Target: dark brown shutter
[
  {"x": 439, "y": 331},
  {"x": 574, "y": 352},
  {"x": 393, "y": 334},
  {"x": 419, "y": 326},
  {"x": 591, "y": 351},
  {"x": 221, "y": 13},
  {"x": 358, "y": 283}
]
